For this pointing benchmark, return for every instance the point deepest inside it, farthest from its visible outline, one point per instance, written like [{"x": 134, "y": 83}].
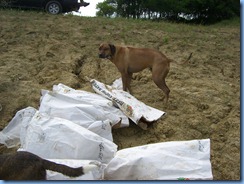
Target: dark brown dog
[
  {"x": 27, "y": 166},
  {"x": 130, "y": 60}
]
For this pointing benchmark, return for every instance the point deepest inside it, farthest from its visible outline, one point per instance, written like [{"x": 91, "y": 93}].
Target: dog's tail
[
  {"x": 183, "y": 62},
  {"x": 66, "y": 170}
]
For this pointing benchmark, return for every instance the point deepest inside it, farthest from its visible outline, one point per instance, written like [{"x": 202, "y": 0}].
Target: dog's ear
[{"x": 112, "y": 48}]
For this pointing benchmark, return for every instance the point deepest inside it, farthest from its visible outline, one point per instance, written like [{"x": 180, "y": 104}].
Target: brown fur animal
[
  {"x": 27, "y": 166},
  {"x": 130, "y": 60}
]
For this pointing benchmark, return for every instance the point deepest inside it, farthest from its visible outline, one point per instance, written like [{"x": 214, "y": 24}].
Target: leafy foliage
[
  {"x": 197, "y": 11},
  {"x": 106, "y": 8}
]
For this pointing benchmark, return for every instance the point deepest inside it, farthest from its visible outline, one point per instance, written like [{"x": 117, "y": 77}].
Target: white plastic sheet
[
  {"x": 80, "y": 106},
  {"x": 133, "y": 108},
  {"x": 177, "y": 160},
  {"x": 86, "y": 115},
  {"x": 57, "y": 138},
  {"x": 10, "y": 135}
]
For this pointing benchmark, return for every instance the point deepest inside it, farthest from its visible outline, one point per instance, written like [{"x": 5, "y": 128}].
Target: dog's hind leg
[{"x": 158, "y": 76}]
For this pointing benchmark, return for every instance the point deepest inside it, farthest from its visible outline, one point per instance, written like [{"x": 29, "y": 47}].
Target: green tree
[
  {"x": 210, "y": 11},
  {"x": 105, "y": 9},
  {"x": 201, "y": 11}
]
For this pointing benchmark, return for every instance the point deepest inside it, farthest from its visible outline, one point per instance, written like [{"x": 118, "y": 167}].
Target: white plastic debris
[
  {"x": 80, "y": 106},
  {"x": 57, "y": 138},
  {"x": 10, "y": 135},
  {"x": 117, "y": 84},
  {"x": 133, "y": 108},
  {"x": 89, "y": 116},
  {"x": 176, "y": 160}
]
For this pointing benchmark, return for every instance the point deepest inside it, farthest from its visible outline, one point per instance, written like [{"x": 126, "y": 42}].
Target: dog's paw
[{"x": 92, "y": 166}]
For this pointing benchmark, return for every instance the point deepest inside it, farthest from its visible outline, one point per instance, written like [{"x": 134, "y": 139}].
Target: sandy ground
[{"x": 38, "y": 51}]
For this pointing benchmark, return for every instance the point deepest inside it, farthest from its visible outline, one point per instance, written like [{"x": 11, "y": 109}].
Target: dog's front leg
[{"x": 126, "y": 78}]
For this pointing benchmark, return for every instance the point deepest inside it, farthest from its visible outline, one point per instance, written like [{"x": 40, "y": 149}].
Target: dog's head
[{"x": 106, "y": 50}]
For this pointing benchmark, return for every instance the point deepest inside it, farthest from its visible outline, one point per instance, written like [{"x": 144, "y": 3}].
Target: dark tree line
[{"x": 199, "y": 11}]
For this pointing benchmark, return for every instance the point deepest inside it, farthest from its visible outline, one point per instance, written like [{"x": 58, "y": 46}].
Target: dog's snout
[{"x": 101, "y": 56}]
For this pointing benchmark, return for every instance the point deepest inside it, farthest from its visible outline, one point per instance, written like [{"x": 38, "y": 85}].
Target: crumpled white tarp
[
  {"x": 85, "y": 115},
  {"x": 94, "y": 174},
  {"x": 10, "y": 135},
  {"x": 176, "y": 160},
  {"x": 57, "y": 138},
  {"x": 133, "y": 108},
  {"x": 80, "y": 106}
]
